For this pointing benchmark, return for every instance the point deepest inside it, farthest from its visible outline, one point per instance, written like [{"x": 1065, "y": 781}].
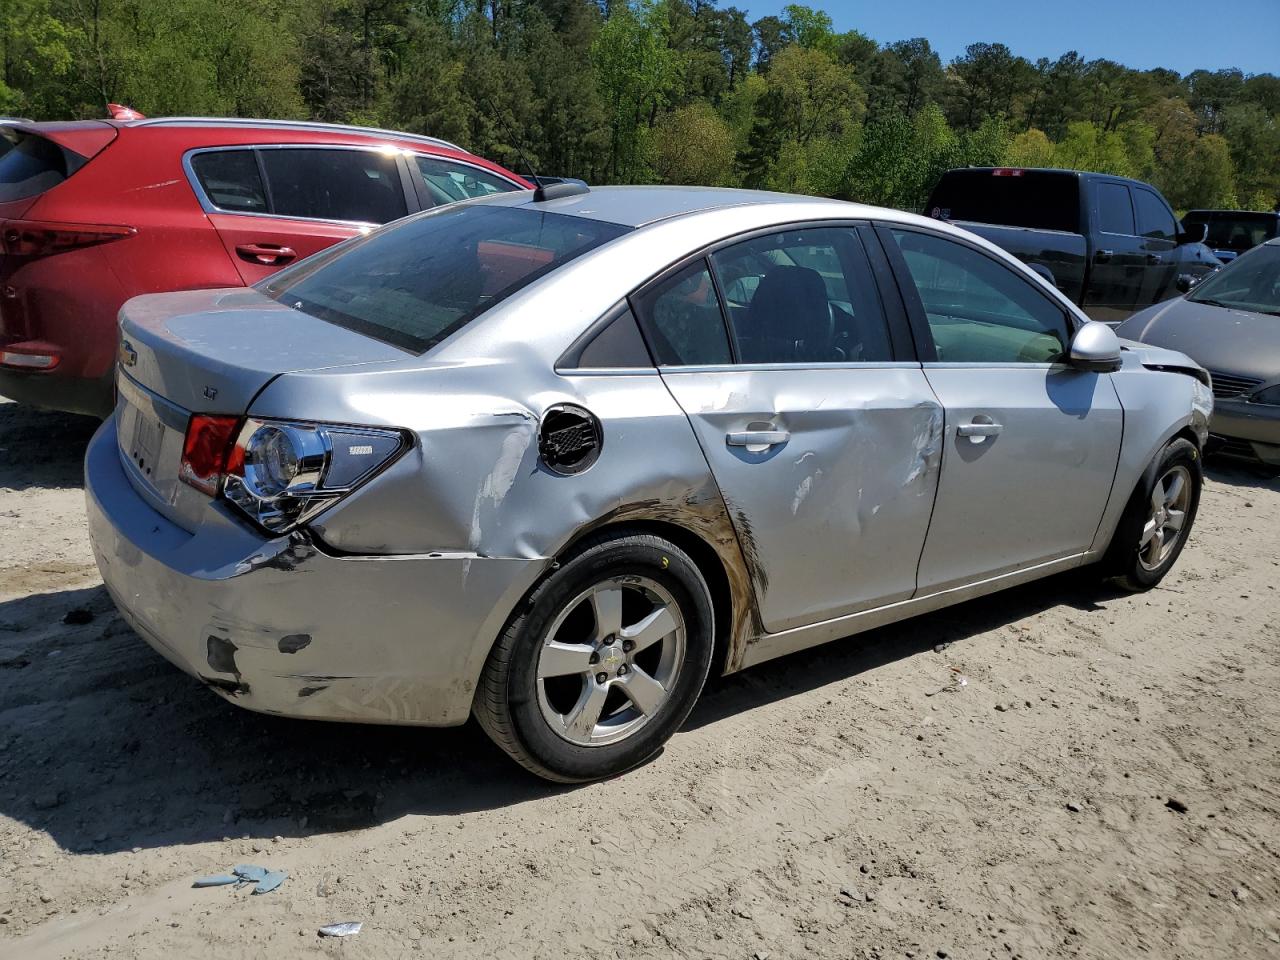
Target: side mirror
[
  {"x": 1185, "y": 282},
  {"x": 1095, "y": 347},
  {"x": 1196, "y": 233}
]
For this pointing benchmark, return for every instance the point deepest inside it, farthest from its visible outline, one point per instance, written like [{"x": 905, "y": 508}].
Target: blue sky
[{"x": 1179, "y": 34}]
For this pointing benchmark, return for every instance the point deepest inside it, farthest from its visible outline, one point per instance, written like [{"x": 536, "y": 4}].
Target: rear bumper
[
  {"x": 280, "y": 627},
  {"x": 54, "y": 391},
  {"x": 1256, "y": 424}
]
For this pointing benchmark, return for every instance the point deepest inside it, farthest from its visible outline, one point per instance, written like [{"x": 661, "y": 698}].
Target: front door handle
[
  {"x": 1103, "y": 256},
  {"x": 266, "y": 254},
  {"x": 760, "y": 439},
  {"x": 979, "y": 429},
  {"x": 1154, "y": 258}
]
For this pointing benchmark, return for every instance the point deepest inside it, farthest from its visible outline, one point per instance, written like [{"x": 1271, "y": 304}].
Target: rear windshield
[
  {"x": 1013, "y": 198},
  {"x": 30, "y": 165},
  {"x": 1235, "y": 231},
  {"x": 416, "y": 282}
]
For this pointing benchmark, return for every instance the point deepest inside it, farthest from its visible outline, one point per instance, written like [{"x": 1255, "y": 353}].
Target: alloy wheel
[
  {"x": 1166, "y": 517},
  {"x": 609, "y": 661}
]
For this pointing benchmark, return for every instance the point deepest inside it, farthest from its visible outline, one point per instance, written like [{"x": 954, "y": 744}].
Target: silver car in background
[
  {"x": 1231, "y": 325},
  {"x": 551, "y": 458}
]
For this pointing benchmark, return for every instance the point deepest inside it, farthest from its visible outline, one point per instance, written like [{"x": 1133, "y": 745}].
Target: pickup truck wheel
[
  {"x": 1157, "y": 519},
  {"x": 602, "y": 663}
]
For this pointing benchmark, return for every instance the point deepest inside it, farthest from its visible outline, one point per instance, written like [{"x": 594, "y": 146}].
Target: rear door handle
[
  {"x": 757, "y": 438},
  {"x": 1103, "y": 256},
  {"x": 266, "y": 254},
  {"x": 979, "y": 430}
]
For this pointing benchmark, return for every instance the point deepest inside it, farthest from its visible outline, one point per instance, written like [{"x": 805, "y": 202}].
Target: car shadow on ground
[
  {"x": 105, "y": 746},
  {"x": 41, "y": 448}
]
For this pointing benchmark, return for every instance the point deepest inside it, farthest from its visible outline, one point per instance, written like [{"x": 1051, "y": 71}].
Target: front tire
[
  {"x": 1158, "y": 518},
  {"x": 602, "y": 663}
]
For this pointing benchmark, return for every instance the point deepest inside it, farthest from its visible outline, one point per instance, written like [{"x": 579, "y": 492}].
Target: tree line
[{"x": 641, "y": 91}]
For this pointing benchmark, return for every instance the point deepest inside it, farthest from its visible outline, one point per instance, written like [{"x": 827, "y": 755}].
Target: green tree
[
  {"x": 692, "y": 144},
  {"x": 635, "y": 70}
]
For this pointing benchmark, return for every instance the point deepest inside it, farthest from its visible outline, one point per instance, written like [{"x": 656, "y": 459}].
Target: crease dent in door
[
  {"x": 928, "y": 444},
  {"x": 832, "y": 518}
]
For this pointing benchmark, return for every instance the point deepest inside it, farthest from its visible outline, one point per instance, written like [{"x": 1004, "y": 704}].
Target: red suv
[{"x": 94, "y": 212}]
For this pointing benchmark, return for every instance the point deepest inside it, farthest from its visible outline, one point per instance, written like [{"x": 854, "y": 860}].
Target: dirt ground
[{"x": 1105, "y": 783}]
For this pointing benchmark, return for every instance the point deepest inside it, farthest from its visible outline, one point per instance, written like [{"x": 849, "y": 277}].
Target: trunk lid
[{"x": 209, "y": 351}]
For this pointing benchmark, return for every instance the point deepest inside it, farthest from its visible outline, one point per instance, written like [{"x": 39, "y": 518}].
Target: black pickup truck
[{"x": 1111, "y": 244}]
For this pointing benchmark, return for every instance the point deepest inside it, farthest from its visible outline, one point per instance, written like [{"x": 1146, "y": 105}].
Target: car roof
[
  {"x": 299, "y": 125},
  {"x": 644, "y": 205}
]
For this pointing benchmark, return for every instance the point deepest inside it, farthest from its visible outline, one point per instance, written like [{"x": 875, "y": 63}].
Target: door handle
[
  {"x": 1154, "y": 258},
  {"x": 757, "y": 438},
  {"x": 1103, "y": 256},
  {"x": 979, "y": 430},
  {"x": 266, "y": 254}
]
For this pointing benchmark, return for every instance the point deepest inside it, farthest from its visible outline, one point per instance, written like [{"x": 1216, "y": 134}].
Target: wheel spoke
[
  {"x": 651, "y": 629},
  {"x": 1176, "y": 519},
  {"x": 644, "y": 691},
  {"x": 1157, "y": 497},
  {"x": 607, "y": 604},
  {"x": 562, "y": 659},
  {"x": 582, "y": 719},
  {"x": 1174, "y": 490},
  {"x": 1156, "y": 547},
  {"x": 1148, "y": 532}
]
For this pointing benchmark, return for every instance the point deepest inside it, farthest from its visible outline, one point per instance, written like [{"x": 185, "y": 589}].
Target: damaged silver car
[{"x": 551, "y": 458}]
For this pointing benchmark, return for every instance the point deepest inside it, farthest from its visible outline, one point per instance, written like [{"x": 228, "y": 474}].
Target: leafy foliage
[{"x": 682, "y": 91}]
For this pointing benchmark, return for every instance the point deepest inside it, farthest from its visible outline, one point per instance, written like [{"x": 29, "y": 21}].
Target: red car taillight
[
  {"x": 38, "y": 238},
  {"x": 206, "y": 451}
]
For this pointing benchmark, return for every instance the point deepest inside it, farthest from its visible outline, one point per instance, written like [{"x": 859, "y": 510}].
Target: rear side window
[
  {"x": 1154, "y": 218},
  {"x": 447, "y": 181},
  {"x": 326, "y": 184},
  {"x": 686, "y": 326},
  {"x": 1035, "y": 199},
  {"x": 231, "y": 180},
  {"x": 803, "y": 296},
  {"x": 416, "y": 282},
  {"x": 1115, "y": 210},
  {"x": 30, "y": 165}
]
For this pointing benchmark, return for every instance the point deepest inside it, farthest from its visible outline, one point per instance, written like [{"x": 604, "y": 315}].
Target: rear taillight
[
  {"x": 283, "y": 473},
  {"x": 39, "y": 238},
  {"x": 207, "y": 450}
]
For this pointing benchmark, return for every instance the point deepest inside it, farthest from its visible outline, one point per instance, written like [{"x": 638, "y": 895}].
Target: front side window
[
  {"x": 685, "y": 321},
  {"x": 979, "y": 310},
  {"x": 447, "y": 181},
  {"x": 231, "y": 180},
  {"x": 803, "y": 296},
  {"x": 414, "y": 283},
  {"x": 1154, "y": 219},
  {"x": 362, "y": 186}
]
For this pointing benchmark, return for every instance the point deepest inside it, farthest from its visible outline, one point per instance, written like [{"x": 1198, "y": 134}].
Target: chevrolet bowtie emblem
[{"x": 128, "y": 356}]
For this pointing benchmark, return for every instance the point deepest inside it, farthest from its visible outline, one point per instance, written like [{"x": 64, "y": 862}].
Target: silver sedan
[{"x": 552, "y": 458}]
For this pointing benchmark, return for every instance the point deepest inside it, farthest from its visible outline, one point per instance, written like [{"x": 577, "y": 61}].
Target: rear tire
[
  {"x": 1157, "y": 520},
  {"x": 602, "y": 663}
]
